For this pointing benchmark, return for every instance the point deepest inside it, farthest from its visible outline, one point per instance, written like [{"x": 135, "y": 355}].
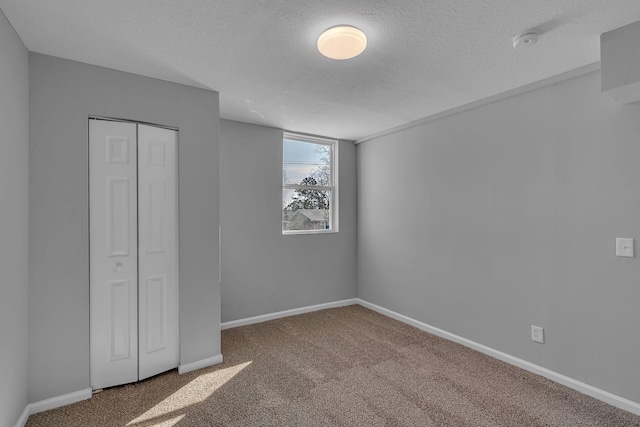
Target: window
[{"x": 309, "y": 185}]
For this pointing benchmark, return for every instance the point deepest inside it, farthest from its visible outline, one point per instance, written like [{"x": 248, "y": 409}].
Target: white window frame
[{"x": 333, "y": 202}]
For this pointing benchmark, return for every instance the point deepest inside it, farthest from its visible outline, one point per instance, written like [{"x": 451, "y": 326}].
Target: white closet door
[
  {"x": 158, "y": 284},
  {"x": 113, "y": 253}
]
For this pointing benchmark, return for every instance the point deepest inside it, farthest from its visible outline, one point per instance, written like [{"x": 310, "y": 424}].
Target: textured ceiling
[{"x": 423, "y": 57}]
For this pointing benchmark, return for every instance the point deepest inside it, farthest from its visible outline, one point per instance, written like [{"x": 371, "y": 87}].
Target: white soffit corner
[
  {"x": 422, "y": 58},
  {"x": 620, "y": 63}
]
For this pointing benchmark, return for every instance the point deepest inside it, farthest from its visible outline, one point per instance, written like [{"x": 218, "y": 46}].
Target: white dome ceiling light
[
  {"x": 343, "y": 42},
  {"x": 526, "y": 39}
]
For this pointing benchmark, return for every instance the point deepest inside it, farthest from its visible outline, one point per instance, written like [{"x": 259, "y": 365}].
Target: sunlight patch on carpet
[
  {"x": 172, "y": 422},
  {"x": 196, "y": 391}
]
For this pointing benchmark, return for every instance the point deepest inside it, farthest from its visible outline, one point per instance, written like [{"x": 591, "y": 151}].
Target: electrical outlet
[{"x": 537, "y": 334}]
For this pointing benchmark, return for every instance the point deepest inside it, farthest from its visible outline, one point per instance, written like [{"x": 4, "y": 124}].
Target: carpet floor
[{"x": 346, "y": 366}]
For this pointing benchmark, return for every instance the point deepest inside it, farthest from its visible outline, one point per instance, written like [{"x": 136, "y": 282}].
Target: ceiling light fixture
[{"x": 343, "y": 42}]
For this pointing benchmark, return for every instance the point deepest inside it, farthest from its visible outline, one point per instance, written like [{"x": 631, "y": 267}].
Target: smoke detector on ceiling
[{"x": 526, "y": 39}]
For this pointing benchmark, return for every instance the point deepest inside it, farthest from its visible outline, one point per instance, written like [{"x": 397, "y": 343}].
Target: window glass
[
  {"x": 308, "y": 185},
  {"x": 304, "y": 160}
]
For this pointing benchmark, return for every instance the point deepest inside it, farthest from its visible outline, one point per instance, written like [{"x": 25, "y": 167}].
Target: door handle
[{"x": 118, "y": 266}]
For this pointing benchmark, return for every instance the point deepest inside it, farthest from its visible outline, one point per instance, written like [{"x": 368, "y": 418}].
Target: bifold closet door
[
  {"x": 133, "y": 235},
  {"x": 113, "y": 252},
  {"x": 158, "y": 281}
]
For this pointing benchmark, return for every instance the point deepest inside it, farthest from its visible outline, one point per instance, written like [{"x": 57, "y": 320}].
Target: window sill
[{"x": 299, "y": 232}]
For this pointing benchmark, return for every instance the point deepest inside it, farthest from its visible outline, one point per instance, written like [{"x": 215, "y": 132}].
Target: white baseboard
[
  {"x": 287, "y": 313},
  {"x": 52, "y": 403},
  {"x": 605, "y": 396},
  {"x": 204, "y": 363},
  {"x": 23, "y": 417}
]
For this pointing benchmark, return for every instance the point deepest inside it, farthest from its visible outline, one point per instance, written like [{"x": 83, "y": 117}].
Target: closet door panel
[
  {"x": 113, "y": 253},
  {"x": 158, "y": 280}
]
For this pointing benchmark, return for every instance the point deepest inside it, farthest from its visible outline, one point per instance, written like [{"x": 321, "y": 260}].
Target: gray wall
[
  {"x": 62, "y": 95},
  {"x": 262, "y": 270},
  {"x": 14, "y": 187},
  {"x": 494, "y": 219}
]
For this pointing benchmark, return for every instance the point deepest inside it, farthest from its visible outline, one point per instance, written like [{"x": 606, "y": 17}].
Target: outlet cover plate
[{"x": 537, "y": 334}]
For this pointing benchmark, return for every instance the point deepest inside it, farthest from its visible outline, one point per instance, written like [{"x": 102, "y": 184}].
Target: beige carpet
[{"x": 341, "y": 367}]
